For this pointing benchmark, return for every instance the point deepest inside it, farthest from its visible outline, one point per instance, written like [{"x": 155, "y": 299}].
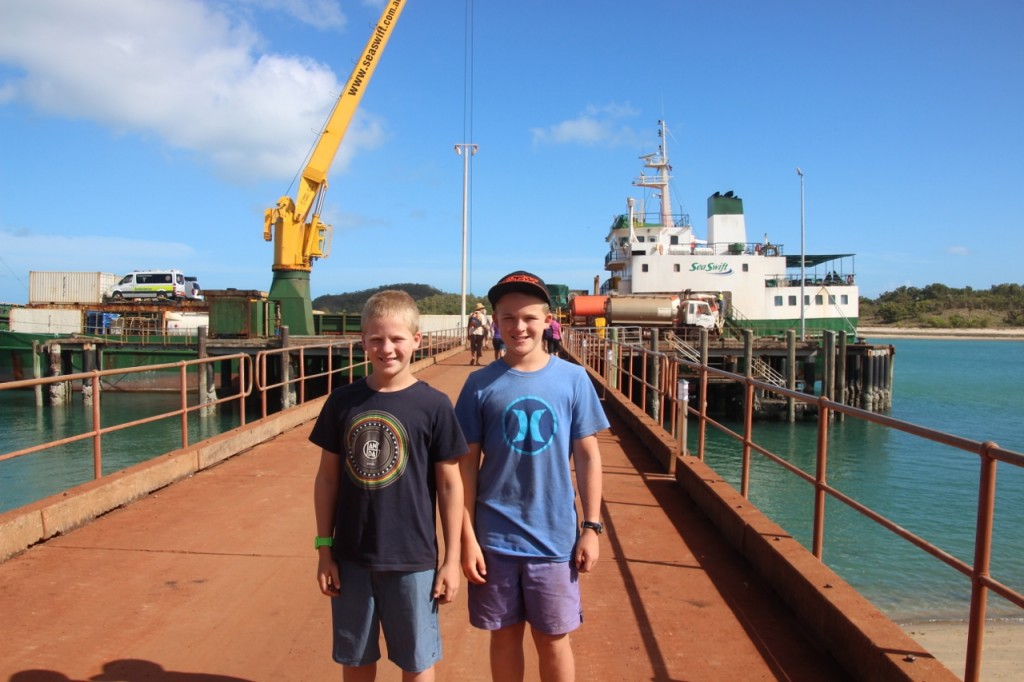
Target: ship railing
[
  {"x": 655, "y": 384},
  {"x": 60, "y": 388}
]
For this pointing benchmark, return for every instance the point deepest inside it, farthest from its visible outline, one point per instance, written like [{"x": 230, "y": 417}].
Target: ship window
[
  {"x": 831, "y": 299},
  {"x": 844, "y": 299},
  {"x": 746, "y": 267},
  {"x": 643, "y": 268},
  {"x": 674, "y": 240},
  {"x": 818, "y": 300},
  {"x": 675, "y": 267},
  {"x": 778, "y": 300},
  {"x": 807, "y": 299},
  {"x": 792, "y": 300}
]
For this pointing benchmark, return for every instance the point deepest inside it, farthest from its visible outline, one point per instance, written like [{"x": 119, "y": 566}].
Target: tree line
[
  {"x": 938, "y": 305},
  {"x": 429, "y": 300}
]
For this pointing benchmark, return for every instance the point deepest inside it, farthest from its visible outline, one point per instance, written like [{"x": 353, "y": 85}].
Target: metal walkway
[{"x": 212, "y": 579}]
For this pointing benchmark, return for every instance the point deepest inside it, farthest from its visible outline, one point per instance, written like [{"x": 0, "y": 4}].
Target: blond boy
[{"x": 390, "y": 448}]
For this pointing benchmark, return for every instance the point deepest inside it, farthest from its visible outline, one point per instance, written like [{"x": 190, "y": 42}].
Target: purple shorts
[{"x": 545, "y": 594}]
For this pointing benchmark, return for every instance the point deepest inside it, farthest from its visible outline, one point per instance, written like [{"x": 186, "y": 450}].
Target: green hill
[{"x": 431, "y": 301}]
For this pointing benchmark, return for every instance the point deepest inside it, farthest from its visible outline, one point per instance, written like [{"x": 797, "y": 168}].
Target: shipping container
[
  {"x": 68, "y": 287},
  {"x": 46, "y": 320}
]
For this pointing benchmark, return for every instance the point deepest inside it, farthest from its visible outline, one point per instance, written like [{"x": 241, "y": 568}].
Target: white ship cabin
[{"x": 761, "y": 286}]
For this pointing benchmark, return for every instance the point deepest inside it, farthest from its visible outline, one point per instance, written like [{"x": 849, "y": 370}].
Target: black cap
[{"x": 521, "y": 281}]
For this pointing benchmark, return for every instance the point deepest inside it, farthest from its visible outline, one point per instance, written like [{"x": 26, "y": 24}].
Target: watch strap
[{"x": 320, "y": 541}]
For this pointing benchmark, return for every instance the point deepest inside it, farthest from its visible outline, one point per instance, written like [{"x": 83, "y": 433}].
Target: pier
[{"x": 212, "y": 578}]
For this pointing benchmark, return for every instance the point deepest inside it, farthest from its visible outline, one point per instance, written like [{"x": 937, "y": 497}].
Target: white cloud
[
  {"x": 596, "y": 126},
  {"x": 958, "y": 251},
  {"x": 184, "y": 71}
]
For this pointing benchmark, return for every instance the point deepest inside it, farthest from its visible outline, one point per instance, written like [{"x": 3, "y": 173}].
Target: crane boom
[{"x": 294, "y": 224}]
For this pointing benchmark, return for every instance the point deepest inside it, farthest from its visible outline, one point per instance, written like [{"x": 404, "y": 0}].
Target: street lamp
[
  {"x": 803, "y": 261},
  {"x": 465, "y": 150}
]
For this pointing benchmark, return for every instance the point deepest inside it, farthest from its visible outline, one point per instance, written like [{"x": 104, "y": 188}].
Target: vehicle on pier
[{"x": 163, "y": 285}]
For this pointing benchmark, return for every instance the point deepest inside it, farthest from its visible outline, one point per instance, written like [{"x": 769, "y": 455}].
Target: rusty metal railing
[
  {"x": 655, "y": 387},
  {"x": 252, "y": 376},
  {"x": 93, "y": 381},
  {"x": 298, "y": 374}
]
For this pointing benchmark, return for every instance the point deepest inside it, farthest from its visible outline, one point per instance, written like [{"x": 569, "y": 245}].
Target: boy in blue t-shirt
[
  {"x": 390, "y": 448},
  {"x": 526, "y": 418}
]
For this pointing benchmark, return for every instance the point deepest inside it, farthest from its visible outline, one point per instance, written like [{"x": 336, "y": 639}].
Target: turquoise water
[
  {"x": 973, "y": 389},
  {"x": 33, "y": 477}
]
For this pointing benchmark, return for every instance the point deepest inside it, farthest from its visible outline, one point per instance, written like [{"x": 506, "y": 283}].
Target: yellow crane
[{"x": 294, "y": 224}]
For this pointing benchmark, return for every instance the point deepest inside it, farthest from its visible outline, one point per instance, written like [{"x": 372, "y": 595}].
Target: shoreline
[
  {"x": 947, "y": 641},
  {"x": 1000, "y": 334}
]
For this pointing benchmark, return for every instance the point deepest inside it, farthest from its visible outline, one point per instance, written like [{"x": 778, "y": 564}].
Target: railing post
[
  {"x": 682, "y": 407},
  {"x": 183, "y": 393},
  {"x": 820, "y": 481},
  {"x": 982, "y": 560},
  {"x": 655, "y": 410},
  {"x": 791, "y": 374},
  {"x": 97, "y": 436}
]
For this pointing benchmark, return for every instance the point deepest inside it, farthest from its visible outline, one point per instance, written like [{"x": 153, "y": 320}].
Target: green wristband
[{"x": 322, "y": 542}]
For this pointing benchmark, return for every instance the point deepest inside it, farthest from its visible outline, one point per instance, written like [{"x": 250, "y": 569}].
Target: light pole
[
  {"x": 465, "y": 150},
  {"x": 803, "y": 261}
]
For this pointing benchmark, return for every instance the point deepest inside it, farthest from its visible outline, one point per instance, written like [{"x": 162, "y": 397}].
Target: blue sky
[{"x": 154, "y": 133}]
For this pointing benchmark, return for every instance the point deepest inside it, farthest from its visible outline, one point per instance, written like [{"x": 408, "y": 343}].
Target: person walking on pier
[
  {"x": 477, "y": 332},
  {"x": 526, "y": 418},
  {"x": 390, "y": 452}
]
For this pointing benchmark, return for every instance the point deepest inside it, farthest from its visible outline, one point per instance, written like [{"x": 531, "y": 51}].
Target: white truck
[{"x": 702, "y": 311}]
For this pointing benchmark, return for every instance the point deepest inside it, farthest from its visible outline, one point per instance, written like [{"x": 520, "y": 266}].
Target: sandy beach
[
  {"x": 1002, "y": 646},
  {"x": 1007, "y": 334}
]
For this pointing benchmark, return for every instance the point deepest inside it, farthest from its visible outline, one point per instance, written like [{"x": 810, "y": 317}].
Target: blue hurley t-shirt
[{"x": 526, "y": 423}]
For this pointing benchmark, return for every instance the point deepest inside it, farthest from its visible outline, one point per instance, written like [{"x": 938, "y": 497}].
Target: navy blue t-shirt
[{"x": 387, "y": 493}]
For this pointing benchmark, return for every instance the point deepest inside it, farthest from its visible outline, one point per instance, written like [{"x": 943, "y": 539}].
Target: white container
[
  {"x": 46, "y": 320},
  {"x": 185, "y": 324},
  {"x": 69, "y": 287}
]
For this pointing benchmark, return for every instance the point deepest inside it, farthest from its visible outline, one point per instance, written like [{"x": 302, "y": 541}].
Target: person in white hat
[{"x": 476, "y": 330}]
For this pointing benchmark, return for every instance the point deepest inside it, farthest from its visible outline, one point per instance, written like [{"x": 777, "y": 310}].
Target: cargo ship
[{"x": 660, "y": 272}]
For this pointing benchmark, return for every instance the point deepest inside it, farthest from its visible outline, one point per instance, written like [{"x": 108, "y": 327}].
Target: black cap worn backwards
[{"x": 521, "y": 281}]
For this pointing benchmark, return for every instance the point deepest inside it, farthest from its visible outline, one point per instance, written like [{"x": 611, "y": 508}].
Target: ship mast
[{"x": 659, "y": 162}]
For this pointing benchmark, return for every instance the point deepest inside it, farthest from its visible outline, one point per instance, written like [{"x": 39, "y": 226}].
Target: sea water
[
  {"x": 32, "y": 477},
  {"x": 973, "y": 389}
]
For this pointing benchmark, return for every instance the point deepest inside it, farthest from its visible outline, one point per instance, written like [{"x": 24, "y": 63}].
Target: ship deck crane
[{"x": 294, "y": 224}]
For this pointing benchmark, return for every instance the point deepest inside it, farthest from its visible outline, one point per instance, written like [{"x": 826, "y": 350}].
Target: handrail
[
  {"x": 604, "y": 354},
  {"x": 431, "y": 344},
  {"x": 252, "y": 376},
  {"x": 93, "y": 379}
]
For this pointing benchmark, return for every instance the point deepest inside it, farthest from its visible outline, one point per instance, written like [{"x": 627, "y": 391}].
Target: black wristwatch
[{"x": 594, "y": 526}]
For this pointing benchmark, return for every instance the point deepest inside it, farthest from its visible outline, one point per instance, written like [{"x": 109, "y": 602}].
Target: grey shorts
[
  {"x": 400, "y": 604},
  {"x": 545, "y": 594}
]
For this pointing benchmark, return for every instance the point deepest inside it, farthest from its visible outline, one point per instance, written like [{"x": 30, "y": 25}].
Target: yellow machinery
[{"x": 294, "y": 224}]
